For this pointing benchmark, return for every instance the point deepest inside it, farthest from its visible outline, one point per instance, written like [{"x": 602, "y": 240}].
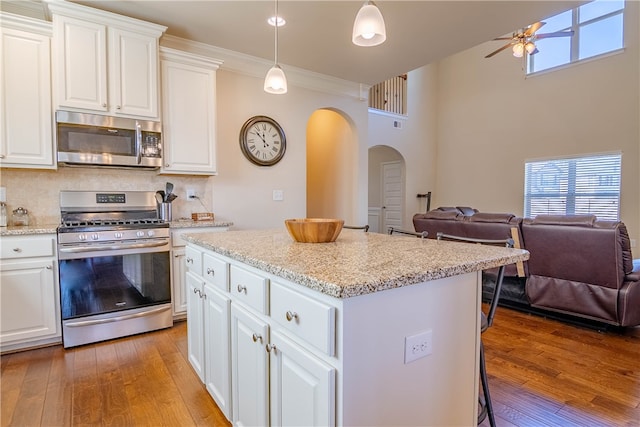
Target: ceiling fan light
[
  {"x": 369, "y": 28},
  {"x": 518, "y": 50},
  {"x": 530, "y": 47},
  {"x": 275, "y": 82}
]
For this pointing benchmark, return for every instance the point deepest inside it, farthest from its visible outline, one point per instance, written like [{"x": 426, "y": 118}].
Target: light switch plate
[{"x": 278, "y": 195}]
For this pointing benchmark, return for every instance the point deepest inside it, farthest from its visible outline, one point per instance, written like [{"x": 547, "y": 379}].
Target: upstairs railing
[{"x": 390, "y": 95}]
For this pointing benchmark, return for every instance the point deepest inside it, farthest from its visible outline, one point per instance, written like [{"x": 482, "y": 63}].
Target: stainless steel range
[{"x": 114, "y": 266}]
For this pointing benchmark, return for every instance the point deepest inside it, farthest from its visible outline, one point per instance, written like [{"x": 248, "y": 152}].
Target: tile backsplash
[{"x": 38, "y": 191}]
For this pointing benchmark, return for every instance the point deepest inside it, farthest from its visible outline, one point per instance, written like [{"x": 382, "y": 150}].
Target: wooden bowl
[{"x": 314, "y": 230}]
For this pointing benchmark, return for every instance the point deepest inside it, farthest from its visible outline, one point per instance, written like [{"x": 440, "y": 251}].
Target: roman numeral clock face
[{"x": 262, "y": 141}]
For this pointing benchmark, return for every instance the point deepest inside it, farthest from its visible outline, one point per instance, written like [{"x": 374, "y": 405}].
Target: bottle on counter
[{"x": 3, "y": 214}]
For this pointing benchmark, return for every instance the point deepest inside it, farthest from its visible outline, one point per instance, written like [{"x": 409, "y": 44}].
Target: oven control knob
[
  {"x": 140, "y": 233},
  {"x": 82, "y": 237},
  {"x": 151, "y": 233},
  {"x": 95, "y": 236},
  {"x": 118, "y": 235}
]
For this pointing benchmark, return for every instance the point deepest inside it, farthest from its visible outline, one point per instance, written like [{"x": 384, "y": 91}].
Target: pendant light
[
  {"x": 276, "y": 82},
  {"x": 368, "y": 28}
]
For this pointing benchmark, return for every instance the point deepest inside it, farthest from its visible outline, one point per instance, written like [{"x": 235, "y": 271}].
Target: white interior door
[{"x": 392, "y": 195}]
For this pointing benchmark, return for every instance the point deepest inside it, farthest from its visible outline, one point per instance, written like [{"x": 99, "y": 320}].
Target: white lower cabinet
[
  {"x": 302, "y": 389},
  {"x": 259, "y": 370},
  {"x": 195, "y": 323},
  {"x": 178, "y": 267},
  {"x": 29, "y": 312},
  {"x": 250, "y": 368},
  {"x": 217, "y": 356}
]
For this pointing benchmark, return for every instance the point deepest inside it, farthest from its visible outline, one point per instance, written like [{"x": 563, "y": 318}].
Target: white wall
[
  {"x": 415, "y": 141},
  {"x": 473, "y": 122},
  {"x": 242, "y": 191},
  {"x": 491, "y": 119}
]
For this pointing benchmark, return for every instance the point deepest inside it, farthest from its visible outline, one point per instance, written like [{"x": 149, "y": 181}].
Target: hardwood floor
[
  {"x": 541, "y": 372},
  {"x": 143, "y": 380}
]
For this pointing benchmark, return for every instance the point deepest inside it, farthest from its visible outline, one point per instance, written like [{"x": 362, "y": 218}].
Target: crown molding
[
  {"x": 25, "y": 23},
  {"x": 32, "y": 8},
  {"x": 257, "y": 67}
]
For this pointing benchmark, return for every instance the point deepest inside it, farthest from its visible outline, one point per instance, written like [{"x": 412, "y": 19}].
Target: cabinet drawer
[
  {"x": 311, "y": 320},
  {"x": 13, "y": 247},
  {"x": 249, "y": 288},
  {"x": 193, "y": 260},
  {"x": 216, "y": 272}
]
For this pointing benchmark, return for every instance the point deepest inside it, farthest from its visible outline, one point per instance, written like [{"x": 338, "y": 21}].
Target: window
[
  {"x": 597, "y": 30},
  {"x": 574, "y": 186}
]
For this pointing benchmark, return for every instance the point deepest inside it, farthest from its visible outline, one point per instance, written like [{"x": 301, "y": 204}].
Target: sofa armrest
[{"x": 634, "y": 276}]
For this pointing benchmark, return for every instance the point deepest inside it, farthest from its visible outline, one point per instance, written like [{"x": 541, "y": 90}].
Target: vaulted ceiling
[{"x": 317, "y": 36}]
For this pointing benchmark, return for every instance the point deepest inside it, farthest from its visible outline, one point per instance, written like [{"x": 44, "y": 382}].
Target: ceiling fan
[{"x": 524, "y": 40}]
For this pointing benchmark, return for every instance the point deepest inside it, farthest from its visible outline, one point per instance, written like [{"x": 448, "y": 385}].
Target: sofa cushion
[
  {"x": 467, "y": 211},
  {"x": 580, "y": 220},
  {"x": 492, "y": 217},
  {"x": 441, "y": 214}
]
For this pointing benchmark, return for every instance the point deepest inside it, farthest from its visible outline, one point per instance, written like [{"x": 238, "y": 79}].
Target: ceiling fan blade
[
  {"x": 533, "y": 28},
  {"x": 534, "y": 51},
  {"x": 503, "y": 38},
  {"x": 556, "y": 34},
  {"x": 498, "y": 50}
]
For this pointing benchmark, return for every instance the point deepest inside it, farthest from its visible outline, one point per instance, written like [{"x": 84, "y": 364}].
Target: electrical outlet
[
  {"x": 278, "y": 195},
  {"x": 417, "y": 346},
  {"x": 191, "y": 194},
  {"x": 633, "y": 243}
]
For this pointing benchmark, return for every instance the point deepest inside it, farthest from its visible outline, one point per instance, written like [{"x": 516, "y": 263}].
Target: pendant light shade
[
  {"x": 368, "y": 28},
  {"x": 275, "y": 81}
]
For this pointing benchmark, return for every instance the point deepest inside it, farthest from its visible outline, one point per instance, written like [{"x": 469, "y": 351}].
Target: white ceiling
[{"x": 317, "y": 36}]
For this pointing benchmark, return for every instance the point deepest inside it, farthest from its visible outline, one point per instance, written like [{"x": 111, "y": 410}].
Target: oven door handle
[
  {"x": 114, "y": 247},
  {"x": 117, "y": 318}
]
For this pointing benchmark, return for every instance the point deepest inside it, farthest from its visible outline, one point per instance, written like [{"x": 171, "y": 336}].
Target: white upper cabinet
[
  {"x": 25, "y": 92},
  {"x": 188, "y": 112},
  {"x": 105, "y": 63}
]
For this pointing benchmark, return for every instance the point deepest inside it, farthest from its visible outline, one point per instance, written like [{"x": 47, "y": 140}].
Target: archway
[
  {"x": 332, "y": 157},
  {"x": 386, "y": 188}
]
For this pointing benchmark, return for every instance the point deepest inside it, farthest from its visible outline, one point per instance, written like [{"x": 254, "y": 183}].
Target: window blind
[{"x": 574, "y": 186}]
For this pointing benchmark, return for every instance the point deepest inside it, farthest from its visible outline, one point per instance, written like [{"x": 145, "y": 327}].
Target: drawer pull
[
  {"x": 242, "y": 289},
  {"x": 189, "y": 260},
  {"x": 18, "y": 250},
  {"x": 257, "y": 338},
  {"x": 290, "y": 315},
  {"x": 48, "y": 267},
  {"x": 211, "y": 271},
  {"x": 270, "y": 347}
]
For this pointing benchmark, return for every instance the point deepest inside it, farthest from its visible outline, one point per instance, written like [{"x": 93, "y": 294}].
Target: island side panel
[{"x": 378, "y": 388}]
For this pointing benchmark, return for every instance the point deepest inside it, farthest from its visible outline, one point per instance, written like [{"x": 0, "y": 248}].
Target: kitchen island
[{"x": 368, "y": 330}]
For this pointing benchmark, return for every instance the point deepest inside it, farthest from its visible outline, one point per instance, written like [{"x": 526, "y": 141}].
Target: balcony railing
[{"x": 390, "y": 95}]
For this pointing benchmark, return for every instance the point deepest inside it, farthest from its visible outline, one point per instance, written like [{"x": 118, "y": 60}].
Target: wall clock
[{"x": 262, "y": 141}]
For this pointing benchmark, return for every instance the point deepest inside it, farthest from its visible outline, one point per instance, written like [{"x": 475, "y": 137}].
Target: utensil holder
[{"x": 164, "y": 211}]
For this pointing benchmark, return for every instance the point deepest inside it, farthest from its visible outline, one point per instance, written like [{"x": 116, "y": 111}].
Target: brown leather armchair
[{"x": 581, "y": 265}]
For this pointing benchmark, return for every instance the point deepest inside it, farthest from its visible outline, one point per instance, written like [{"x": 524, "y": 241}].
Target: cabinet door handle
[
  {"x": 1, "y": 156},
  {"x": 290, "y": 315},
  {"x": 189, "y": 260},
  {"x": 118, "y": 107},
  {"x": 167, "y": 165},
  {"x": 270, "y": 347},
  {"x": 211, "y": 271},
  {"x": 257, "y": 338},
  {"x": 17, "y": 250},
  {"x": 242, "y": 289},
  {"x": 104, "y": 105},
  {"x": 48, "y": 267}
]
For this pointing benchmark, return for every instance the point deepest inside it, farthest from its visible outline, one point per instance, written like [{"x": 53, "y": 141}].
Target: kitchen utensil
[
  {"x": 171, "y": 197},
  {"x": 314, "y": 230},
  {"x": 159, "y": 196},
  {"x": 168, "y": 190}
]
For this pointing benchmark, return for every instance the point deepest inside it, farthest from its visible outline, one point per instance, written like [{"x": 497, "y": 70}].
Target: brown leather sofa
[{"x": 579, "y": 266}]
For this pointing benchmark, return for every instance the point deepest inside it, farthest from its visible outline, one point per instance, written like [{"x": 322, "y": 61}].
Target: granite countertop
[
  {"x": 357, "y": 263},
  {"x": 189, "y": 223},
  {"x": 28, "y": 230}
]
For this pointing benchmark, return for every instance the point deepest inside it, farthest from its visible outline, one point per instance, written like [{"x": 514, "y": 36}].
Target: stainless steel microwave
[{"x": 95, "y": 140}]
